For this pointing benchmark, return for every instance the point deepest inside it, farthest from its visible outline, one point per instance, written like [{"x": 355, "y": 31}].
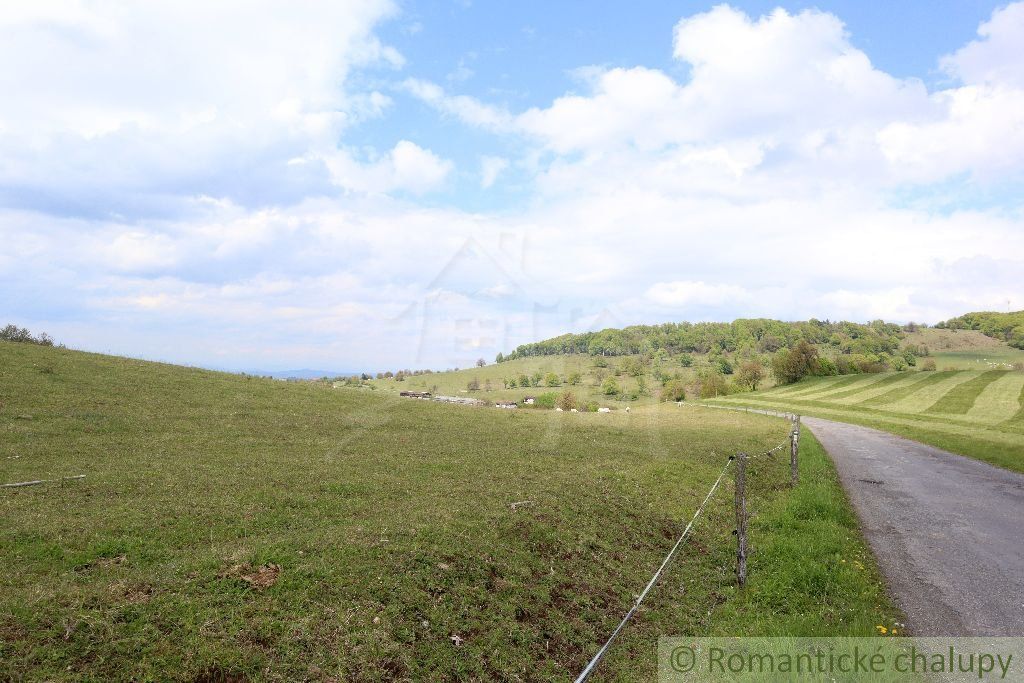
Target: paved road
[{"x": 948, "y": 531}]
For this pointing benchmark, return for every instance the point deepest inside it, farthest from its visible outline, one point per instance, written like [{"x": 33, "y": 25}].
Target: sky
[{"x": 381, "y": 184}]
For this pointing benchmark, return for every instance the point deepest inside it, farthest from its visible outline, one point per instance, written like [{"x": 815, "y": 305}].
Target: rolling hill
[{"x": 234, "y": 528}]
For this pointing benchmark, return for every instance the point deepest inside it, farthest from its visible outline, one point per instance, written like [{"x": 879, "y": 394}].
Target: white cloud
[
  {"x": 682, "y": 293},
  {"x": 996, "y": 57},
  {"x": 762, "y": 184},
  {"x": 406, "y": 167},
  {"x": 119, "y": 104},
  {"x": 490, "y": 169}
]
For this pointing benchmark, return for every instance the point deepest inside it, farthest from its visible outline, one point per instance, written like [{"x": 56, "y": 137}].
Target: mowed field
[
  {"x": 232, "y": 528},
  {"x": 978, "y": 413}
]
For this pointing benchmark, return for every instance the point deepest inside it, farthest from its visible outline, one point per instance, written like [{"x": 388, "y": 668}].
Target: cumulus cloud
[
  {"x": 121, "y": 108},
  {"x": 237, "y": 205}
]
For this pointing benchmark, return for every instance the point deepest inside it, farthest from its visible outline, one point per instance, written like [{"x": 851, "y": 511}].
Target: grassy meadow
[
  {"x": 234, "y": 528},
  {"x": 978, "y": 413},
  {"x": 490, "y": 376},
  {"x": 966, "y": 349}
]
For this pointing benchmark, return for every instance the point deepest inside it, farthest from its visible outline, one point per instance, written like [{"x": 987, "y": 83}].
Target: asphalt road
[{"x": 948, "y": 531}]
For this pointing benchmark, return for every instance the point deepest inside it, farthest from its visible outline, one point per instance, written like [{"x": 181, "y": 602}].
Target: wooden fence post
[
  {"x": 794, "y": 449},
  {"x": 741, "y": 519}
]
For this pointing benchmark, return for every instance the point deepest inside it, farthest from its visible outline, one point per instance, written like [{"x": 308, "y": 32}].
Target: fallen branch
[{"x": 39, "y": 481}]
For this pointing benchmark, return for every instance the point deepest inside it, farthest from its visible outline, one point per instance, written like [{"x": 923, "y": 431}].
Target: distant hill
[
  {"x": 1007, "y": 327},
  {"x": 744, "y": 336}
]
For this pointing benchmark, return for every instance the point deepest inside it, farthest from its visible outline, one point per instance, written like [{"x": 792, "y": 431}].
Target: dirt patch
[
  {"x": 258, "y": 578},
  {"x": 132, "y": 593}
]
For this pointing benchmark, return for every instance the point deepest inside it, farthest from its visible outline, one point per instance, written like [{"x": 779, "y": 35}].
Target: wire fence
[{"x": 741, "y": 459}]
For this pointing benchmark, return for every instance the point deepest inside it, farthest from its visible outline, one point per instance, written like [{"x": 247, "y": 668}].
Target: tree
[
  {"x": 712, "y": 384},
  {"x": 567, "y": 401},
  {"x": 792, "y": 365},
  {"x": 724, "y": 366},
  {"x": 610, "y": 387},
  {"x": 499, "y": 358},
  {"x": 536, "y": 379},
  {"x": 524, "y": 381},
  {"x": 750, "y": 374},
  {"x": 574, "y": 378},
  {"x": 552, "y": 380},
  {"x": 480, "y": 362},
  {"x": 674, "y": 390}
]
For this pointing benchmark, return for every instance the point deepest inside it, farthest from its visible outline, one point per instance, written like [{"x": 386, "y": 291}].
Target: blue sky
[{"x": 375, "y": 184}]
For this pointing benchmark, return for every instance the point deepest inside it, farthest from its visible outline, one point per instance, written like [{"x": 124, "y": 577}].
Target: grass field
[
  {"x": 232, "y": 528},
  {"x": 979, "y": 413},
  {"x": 966, "y": 349},
  {"x": 454, "y": 383}
]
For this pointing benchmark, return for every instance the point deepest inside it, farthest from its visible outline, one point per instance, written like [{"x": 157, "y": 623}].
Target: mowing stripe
[
  {"x": 877, "y": 388},
  {"x": 960, "y": 399},
  {"x": 926, "y": 396},
  {"x": 809, "y": 384},
  {"x": 893, "y": 395},
  {"x": 865, "y": 382},
  {"x": 820, "y": 386},
  {"x": 1000, "y": 400},
  {"x": 1018, "y": 418}
]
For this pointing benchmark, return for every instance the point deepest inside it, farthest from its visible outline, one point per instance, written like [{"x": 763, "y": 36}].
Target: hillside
[
  {"x": 978, "y": 413},
  {"x": 701, "y": 360},
  {"x": 234, "y": 528},
  {"x": 1007, "y": 327}
]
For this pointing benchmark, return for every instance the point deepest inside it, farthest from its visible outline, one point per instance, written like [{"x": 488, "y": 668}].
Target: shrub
[
  {"x": 574, "y": 378},
  {"x": 590, "y": 407},
  {"x": 567, "y": 401},
  {"x": 712, "y": 383},
  {"x": 552, "y": 380},
  {"x": 928, "y": 365},
  {"x": 724, "y": 366},
  {"x": 674, "y": 390},
  {"x": 686, "y": 360},
  {"x": 473, "y": 384},
  {"x": 546, "y": 400},
  {"x": 610, "y": 387}
]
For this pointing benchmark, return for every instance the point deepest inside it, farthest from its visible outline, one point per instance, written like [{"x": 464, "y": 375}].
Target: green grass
[
  {"x": 978, "y": 414},
  {"x": 961, "y": 398},
  {"x": 391, "y": 522}
]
